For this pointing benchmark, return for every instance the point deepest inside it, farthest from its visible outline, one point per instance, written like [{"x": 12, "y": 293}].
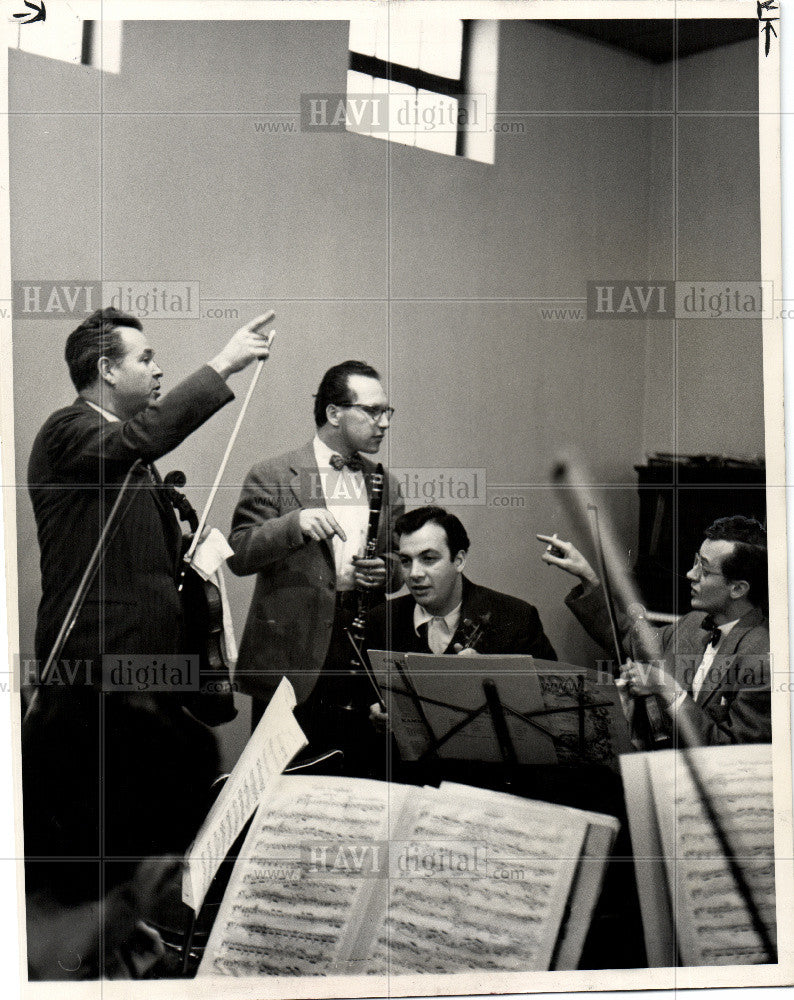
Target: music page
[
  {"x": 713, "y": 923},
  {"x": 307, "y": 864},
  {"x": 274, "y": 743},
  {"x": 479, "y": 881}
]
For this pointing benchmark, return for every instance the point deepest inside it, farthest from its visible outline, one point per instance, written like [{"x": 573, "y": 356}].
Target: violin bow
[
  {"x": 224, "y": 461},
  {"x": 592, "y": 511}
]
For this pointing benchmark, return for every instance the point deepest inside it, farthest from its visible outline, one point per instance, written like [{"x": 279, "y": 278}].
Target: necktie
[
  {"x": 353, "y": 463},
  {"x": 713, "y": 631}
]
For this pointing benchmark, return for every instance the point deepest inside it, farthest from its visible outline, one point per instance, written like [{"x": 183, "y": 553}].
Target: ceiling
[{"x": 654, "y": 40}]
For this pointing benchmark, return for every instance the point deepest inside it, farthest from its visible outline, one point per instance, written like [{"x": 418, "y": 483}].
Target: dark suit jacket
[
  {"x": 733, "y": 705},
  {"x": 514, "y": 626},
  {"x": 78, "y": 461},
  {"x": 288, "y": 630}
]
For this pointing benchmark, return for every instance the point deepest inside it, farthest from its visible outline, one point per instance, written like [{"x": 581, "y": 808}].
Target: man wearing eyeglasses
[
  {"x": 713, "y": 680},
  {"x": 301, "y": 526}
]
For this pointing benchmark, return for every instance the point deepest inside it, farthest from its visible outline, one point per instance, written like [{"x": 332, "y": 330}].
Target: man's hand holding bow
[{"x": 642, "y": 679}]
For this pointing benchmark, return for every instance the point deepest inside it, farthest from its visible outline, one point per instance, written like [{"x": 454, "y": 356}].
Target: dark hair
[
  {"x": 334, "y": 387},
  {"x": 95, "y": 338},
  {"x": 748, "y": 561},
  {"x": 457, "y": 539}
]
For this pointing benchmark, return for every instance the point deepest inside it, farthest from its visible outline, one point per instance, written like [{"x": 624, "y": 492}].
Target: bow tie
[
  {"x": 353, "y": 463},
  {"x": 714, "y": 633}
]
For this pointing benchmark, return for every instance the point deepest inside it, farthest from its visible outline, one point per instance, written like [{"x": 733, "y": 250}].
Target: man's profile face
[
  {"x": 710, "y": 590},
  {"x": 137, "y": 376},
  {"x": 360, "y": 430},
  {"x": 429, "y": 569}
]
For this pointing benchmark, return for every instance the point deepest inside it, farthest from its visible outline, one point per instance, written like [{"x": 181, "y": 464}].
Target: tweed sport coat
[
  {"x": 733, "y": 705},
  {"x": 288, "y": 629}
]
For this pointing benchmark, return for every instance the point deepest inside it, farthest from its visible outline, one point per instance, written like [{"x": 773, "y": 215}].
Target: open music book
[
  {"x": 349, "y": 876},
  {"x": 692, "y": 911}
]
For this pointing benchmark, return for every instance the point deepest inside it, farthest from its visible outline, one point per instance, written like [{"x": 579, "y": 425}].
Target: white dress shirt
[
  {"x": 108, "y": 416},
  {"x": 345, "y": 495},
  {"x": 440, "y": 628},
  {"x": 702, "y": 671}
]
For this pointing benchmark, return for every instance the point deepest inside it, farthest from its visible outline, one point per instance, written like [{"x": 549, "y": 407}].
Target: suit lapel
[
  {"x": 416, "y": 642},
  {"x": 305, "y": 482},
  {"x": 724, "y": 656},
  {"x": 167, "y": 513},
  {"x": 307, "y": 488},
  {"x": 149, "y": 476}
]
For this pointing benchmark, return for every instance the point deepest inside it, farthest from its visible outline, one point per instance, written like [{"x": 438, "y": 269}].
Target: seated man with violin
[
  {"x": 711, "y": 677},
  {"x": 79, "y": 732},
  {"x": 445, "y": 612}
]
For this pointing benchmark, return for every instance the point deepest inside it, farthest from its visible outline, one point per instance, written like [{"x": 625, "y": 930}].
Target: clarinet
[{"x": 358, "y": 627}]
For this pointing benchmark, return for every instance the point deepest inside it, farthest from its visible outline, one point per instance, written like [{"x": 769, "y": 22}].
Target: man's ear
[
  {"x": 105, "y": 368},
  {"x": 739, "y": 589},
  {"x": 460, "y": 561},
  {"x": 332, "y": 414}
]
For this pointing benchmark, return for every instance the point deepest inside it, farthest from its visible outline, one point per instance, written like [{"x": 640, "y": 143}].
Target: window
[
  {"x": 71, "y": 39},
  {"x": 428, "y": 83}
]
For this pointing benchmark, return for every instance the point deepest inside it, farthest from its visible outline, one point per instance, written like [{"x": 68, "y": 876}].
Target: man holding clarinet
[{"x": 302, "y": 525}]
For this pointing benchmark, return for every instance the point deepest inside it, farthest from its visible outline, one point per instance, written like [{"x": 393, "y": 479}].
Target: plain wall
[
  {"x": 432, "y": 268},
  {"x": 704, "y": 388}
]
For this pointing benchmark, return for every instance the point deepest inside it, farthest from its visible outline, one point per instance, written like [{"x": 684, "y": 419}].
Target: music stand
[{"x": 482, "y": 688}]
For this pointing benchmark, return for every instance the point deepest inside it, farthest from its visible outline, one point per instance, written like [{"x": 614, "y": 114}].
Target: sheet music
[
  {"x": 408, "y": 726},
  {"x": 712, "y": 923},
  {"x": 273, "y": 744},
  {"x": 588, "y": 881},
  {"x": 606, "y": 732},
  {"x": 310, "y": 856},
  {"x": 494, "y": 901},
  {"x": 649, "y": 863}
]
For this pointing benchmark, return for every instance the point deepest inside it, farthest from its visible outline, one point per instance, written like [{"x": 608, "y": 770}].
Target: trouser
[
  {"x": 336, "y": 713},
  {"x": 110, "y": 779}
]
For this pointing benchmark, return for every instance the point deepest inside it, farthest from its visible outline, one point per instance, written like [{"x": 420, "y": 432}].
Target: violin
[
  {"x": 473, "y": 629},
  {"x": 202, "y": 606}
]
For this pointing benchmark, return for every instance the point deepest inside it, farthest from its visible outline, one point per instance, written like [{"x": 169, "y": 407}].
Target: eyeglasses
[
  {"x": 375, "y": 413},
  {"x": 701, "y": 571}
]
